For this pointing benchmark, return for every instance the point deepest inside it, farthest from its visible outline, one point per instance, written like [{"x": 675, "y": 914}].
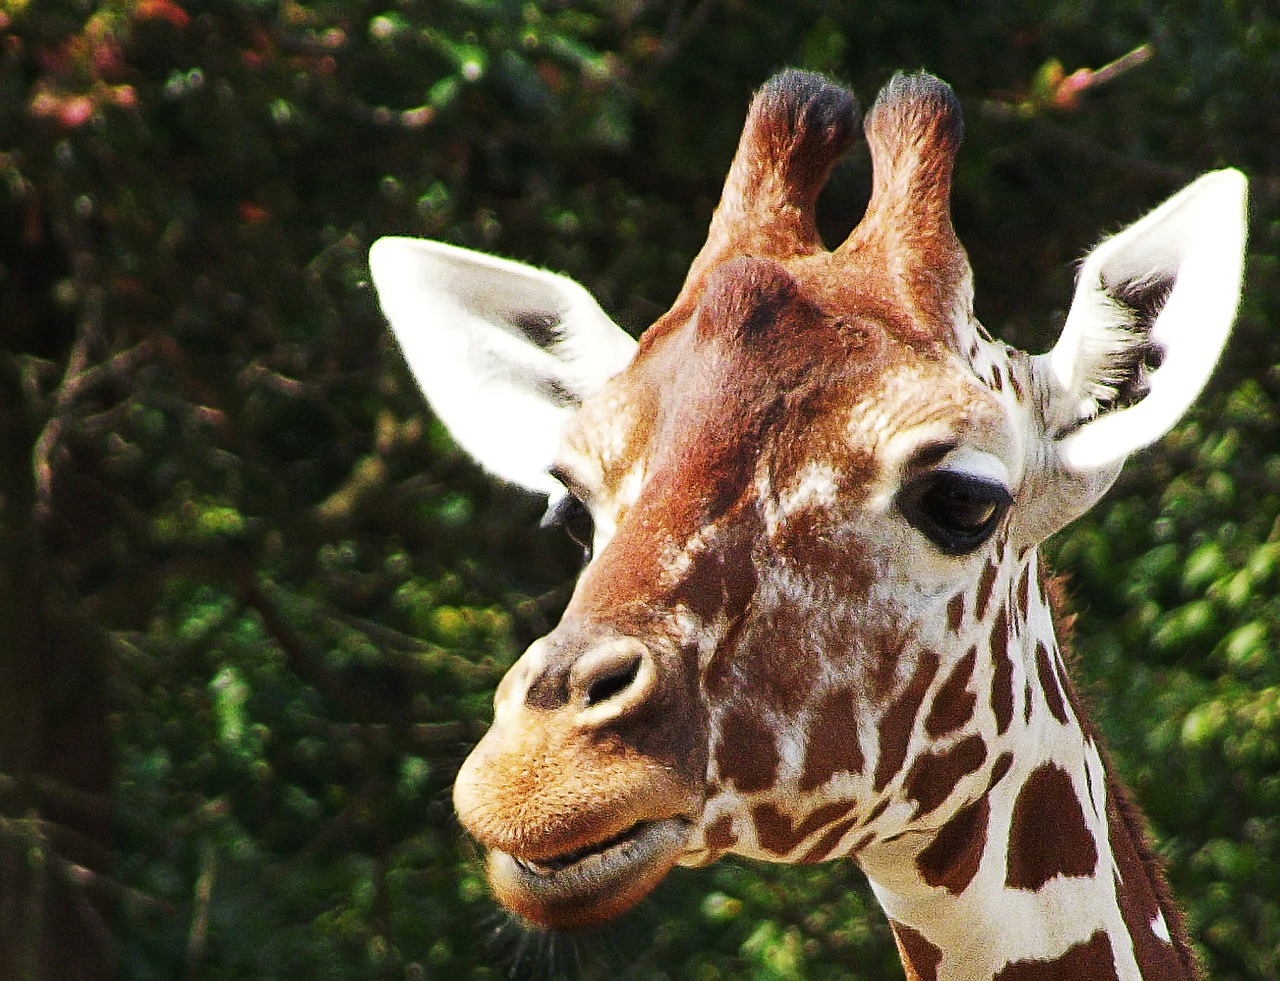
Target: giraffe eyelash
[{"x": 570, "y": 513}]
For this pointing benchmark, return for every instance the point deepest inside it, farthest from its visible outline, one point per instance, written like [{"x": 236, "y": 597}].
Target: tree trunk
[{"x": 55, "y": 757}]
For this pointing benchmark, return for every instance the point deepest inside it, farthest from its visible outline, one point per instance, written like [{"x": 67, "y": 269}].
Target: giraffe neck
[
  {"x": 1048, "y": 874},
  {"x": 1023, "y": 884}
]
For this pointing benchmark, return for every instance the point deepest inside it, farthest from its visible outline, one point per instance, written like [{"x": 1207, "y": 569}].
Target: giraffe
[{"x": 813, "y": 622}]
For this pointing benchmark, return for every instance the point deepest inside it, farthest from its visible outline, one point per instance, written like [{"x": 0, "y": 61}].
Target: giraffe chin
[{"x": 590, "y": 885}]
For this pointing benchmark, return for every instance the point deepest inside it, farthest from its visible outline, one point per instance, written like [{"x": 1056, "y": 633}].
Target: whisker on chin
[
  {"x": 616, "y": 950},
  {"x": 523, "y": 952}
]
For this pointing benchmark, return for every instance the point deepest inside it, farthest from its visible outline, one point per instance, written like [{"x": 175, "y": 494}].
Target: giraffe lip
[
  {"x": 634, "y": 846},
  {"x": 587, "y": 885}
]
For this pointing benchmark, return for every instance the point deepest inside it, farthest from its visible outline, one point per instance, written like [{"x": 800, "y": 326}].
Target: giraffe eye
[
  {"x": 573, "y": 516},
  {"x": 956, "y": 511}
]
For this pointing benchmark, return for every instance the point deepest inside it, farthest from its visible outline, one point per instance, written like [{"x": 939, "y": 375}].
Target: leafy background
[{"x": 252, "y": 600}]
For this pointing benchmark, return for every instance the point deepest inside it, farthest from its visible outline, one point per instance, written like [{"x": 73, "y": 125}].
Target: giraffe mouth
[{"x": 588, "y": 885}]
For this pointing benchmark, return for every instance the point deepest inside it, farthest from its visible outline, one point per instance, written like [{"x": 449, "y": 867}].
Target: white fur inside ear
[
  {"x": 1186, "y": 259},
  {"x": 503, "y": 352}
]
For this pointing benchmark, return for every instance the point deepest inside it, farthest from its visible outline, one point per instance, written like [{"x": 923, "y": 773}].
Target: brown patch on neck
[
  {"x": 986, "y": 587},
  {"x": 747, "y": 752},
  {"x": 899, "y": 719},
  {"x": 884, "y": 655},
  {"x": 1024, "y": 592},
  {"x": 779, "y": 833},
  {"x": 832, "y": 744},
  {"x": 951, "y": 860},
  {"x": 1049, "y": 683},
  {"x": 934, "y": 775},
  {"x": 824, "y": 846},
  {"x": 954, "y": 704},
  {"x": 920, "y": 958},
  {"x": 1048, "y": 836},
  {"x": 719, "y": 836},
  {"x": 1091, "y": 960},
  {"x": 955, "y": 612},
  {"x": 1002, "y": 682}
]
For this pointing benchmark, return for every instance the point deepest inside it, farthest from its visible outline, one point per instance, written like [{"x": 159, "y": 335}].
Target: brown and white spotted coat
[{"x": 816, "y": 624}]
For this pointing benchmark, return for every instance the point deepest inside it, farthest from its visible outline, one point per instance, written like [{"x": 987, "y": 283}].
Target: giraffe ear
[
  {"x": 503, "y": 352},
  {"x": 1151, "y": 313}
]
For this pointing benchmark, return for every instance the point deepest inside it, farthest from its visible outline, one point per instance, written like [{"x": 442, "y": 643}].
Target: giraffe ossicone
[{"x": 814, "y": 623}]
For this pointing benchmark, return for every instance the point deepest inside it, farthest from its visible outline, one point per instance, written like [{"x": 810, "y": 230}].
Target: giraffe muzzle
[{"x": 587, "y": 787}]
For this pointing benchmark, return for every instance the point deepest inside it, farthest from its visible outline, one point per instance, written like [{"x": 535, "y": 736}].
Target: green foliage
[{"x": 272, "y": 599}]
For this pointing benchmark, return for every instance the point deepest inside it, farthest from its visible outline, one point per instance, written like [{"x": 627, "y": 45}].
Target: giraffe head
[{"x": 811, "y": 497}]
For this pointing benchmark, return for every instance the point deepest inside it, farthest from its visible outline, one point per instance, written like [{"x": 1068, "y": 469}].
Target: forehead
[{"x": 826, "y": 370}]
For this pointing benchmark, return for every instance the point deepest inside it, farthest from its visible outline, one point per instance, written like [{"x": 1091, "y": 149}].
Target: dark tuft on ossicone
[
  {"x": 806, "y": 123},
  {"x": 920, "y": 105}
]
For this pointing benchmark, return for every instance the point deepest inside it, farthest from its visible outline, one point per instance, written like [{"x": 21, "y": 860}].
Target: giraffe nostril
[
  {"x": 614, "y": 681},
  {"x": 613, "y": 678}
]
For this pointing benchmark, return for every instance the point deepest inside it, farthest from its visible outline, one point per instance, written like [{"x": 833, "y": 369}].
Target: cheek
[
  {"x": 770, "y": 660},
  {"x": 824, "y": 554},
  {"x": 757, "y": 684}
]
